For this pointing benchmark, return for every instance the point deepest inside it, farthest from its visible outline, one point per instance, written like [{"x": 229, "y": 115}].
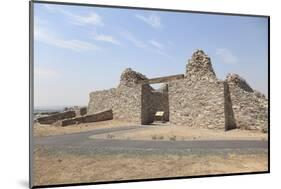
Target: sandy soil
[
  {"x": 48, "y": 130},
  {"x": 183, "y": 133},
  {"x": 65, "y": 168}
]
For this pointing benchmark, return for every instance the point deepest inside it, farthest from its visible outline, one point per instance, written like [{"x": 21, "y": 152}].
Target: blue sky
[{"x": 81, "y": 49}]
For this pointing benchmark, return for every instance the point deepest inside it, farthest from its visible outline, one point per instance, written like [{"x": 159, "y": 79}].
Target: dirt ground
[
  {"x": 62, "y": 168},
  {"x": 183, "y": 133},
  {"x": 49, "y": 130},
  {"x": 154, "y": 132}
]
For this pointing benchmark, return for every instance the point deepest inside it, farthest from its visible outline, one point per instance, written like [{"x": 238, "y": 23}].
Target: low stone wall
[
  {"x": 72, "y": 121},
  {"x": 56, "y": 117},
  {"x": 101, "y": 116}
]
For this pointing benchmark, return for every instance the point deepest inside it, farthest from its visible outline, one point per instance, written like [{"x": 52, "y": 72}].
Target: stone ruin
[
  {"x": 74, "y": 115},
  {"x": 195, "y": 99}
]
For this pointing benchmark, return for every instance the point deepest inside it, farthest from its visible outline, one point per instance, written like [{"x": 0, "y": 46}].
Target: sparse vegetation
[
  {"x": 154, "y": 137},
  {"x": 110, "y": 136},
  {"x": 159, "y": 137},
  {"x": 176, "y": 133},
  {"x": 49, "y": 130},
  {"x": 173, "y": 138},
  {"x": 48, "y": 169}
]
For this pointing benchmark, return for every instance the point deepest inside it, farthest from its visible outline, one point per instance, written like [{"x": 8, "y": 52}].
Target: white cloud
[
  {"x": 226, "y": 56},
  {"x": 156, "y": 44},
  {"x": 152, "y": 20},
  {"x": 130, "y": 37},
  {"x": 45, "y": 36},
  {"x": 91, "y": 18},
  {"x": 106, "y": 38}
]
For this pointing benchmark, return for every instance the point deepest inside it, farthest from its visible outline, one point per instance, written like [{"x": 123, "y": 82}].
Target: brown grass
[
  {"x": 173, "y": 133},
  {"x": 48, "y": 130},
  {"x": 66, "y": 168}
]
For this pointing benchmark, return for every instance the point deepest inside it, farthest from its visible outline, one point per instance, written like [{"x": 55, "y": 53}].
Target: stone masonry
[{"x": 196, "y": 99}]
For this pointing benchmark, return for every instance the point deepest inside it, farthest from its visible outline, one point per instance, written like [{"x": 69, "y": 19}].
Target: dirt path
[{"x": 81, "y": 143}]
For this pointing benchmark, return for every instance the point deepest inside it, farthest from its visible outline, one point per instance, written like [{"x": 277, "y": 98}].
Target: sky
[{"x": 80, "y": 49}]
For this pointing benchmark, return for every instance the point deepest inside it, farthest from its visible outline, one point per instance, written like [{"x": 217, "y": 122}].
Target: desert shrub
[
  {"x": 173, "y": 138},
  {"x": 110, "y": 136},
  {"x": 161, "y": 137},
  {"x": 154, "y": 137}
]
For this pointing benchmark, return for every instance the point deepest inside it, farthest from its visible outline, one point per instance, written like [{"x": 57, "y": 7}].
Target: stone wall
[
  {"x": 56, "y": 117},
  {"x": 197, "y": 104},
  {"x": 125, "y": 100},
  {"x": 101, "y": 100},
  {"x": 100, "y": 116},
  {"x": 198, "y": 99},
  {"x": 153, "y": 101},
  {"x": 199, "y": 67},
  {"x": 230, "y": 122},
  {"x": 250, "y": 108}
]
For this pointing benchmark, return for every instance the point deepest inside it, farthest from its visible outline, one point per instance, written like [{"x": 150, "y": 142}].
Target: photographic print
[{"x": 125, "y": 94}]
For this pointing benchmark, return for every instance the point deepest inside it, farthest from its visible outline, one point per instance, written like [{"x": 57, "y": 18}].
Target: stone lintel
[{"x": 161, "y": 79}]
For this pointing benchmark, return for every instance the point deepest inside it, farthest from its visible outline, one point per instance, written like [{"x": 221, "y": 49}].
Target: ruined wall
[
  {"x": 198, "y": 99},
  {"x": 100, "y": 116},
  {"x": 250, "y": 107},
  {"x": 101, "y": 100},
  {"x": 197, "y": 104},
  {"x": 125, "y": 100},
  {"x": 153, "y": 101},
  {"x": 56, "y": 117}
]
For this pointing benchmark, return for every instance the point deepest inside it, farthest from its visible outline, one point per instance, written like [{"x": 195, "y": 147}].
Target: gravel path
[{"x": 80, "y": 143}]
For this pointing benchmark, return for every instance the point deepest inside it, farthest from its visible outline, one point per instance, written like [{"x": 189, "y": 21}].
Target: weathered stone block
[
  {"x": 101, "y": 116},
  {"x": 56, "y": 117},
  {"x": 72, "y": 121}
]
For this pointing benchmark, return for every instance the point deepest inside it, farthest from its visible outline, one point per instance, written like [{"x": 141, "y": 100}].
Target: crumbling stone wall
[
  {"x": 125, "y": 100},
  {"x": 250, "y": 107},
  {"x": 101, "y": 100},
  {"x": 199, "y": 67},
  {"x": 100, "y": 116},
  {"x": 56, "y": 117},
  {"x": 198, "y": 99}
]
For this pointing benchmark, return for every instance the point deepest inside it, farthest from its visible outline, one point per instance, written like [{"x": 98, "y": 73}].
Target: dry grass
[
  {"x": 66, "y": 168},
  {"x": 48, "y": 130},
  {"x": 185, "y": 133}
]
